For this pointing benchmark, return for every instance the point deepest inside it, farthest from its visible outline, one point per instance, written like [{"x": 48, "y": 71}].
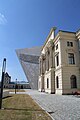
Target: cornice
[
  {"x": 52, "y": 30},
  {"x": 67, "y": 35},
  {"x": 62, "y": 35},
  {"x": 78, "y": 34}
]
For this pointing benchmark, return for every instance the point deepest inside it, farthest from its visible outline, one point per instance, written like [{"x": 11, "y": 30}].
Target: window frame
[
  {"x": 57, "y": 60},
  {"x": 47, "y": 83},
  {"x": 56, "y": 46},
  {"x": 71, "y": 58},
  {"x": 57, "y": 82},
  {"x": 73, "y": 80},
  {"x": 69, "y": 44}
]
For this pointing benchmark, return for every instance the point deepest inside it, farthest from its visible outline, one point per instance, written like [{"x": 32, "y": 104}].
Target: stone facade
[{"x": 60, "y": 63}]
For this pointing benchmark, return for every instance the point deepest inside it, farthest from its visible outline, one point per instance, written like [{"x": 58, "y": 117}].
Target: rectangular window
[
  {"x": 57, "y": 60},
  {"x": 56, "y": 46},
  {"x": 57, "y": 82},
  {"x": 71, "y": 58},
  {"x": 47, "y": 82},
  {"x": 67, "y": 43},
  {"x": 70, "y": 44}
]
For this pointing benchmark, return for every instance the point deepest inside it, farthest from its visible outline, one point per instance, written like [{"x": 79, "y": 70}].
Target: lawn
[{"x": 22, "y": 107}]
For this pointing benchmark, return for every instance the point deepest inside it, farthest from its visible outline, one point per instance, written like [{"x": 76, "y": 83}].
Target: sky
[{"x": 27, "y": 23}]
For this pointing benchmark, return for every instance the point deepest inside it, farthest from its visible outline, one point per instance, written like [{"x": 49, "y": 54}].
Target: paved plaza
[{"x": 60, "y": 107}]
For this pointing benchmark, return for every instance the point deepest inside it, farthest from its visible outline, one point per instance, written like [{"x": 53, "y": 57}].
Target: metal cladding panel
[
  {"x": 32, "y": 72},
  {"x": 29, "y": 59},
  {"x": 30, "y": 51}
]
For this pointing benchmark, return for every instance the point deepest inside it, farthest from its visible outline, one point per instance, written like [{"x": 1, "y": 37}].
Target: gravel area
[{"x": 60, "y": 107}]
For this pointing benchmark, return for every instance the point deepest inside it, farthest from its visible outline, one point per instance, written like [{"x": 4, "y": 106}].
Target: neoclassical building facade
[{"x": 59, "y": 63}]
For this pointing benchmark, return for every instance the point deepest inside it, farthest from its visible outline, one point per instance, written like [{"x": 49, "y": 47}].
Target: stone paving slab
[{"x": 60, "y": 107}]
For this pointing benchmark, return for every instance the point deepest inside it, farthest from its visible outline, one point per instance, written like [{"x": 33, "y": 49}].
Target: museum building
[{"x": 59, "y": 63}]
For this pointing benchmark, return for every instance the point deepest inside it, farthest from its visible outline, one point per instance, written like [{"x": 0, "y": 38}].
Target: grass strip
[{"x": 21, "y": 107}]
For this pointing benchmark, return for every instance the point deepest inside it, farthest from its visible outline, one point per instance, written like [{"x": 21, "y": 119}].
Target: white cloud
[{"x": 2, "y": 19}]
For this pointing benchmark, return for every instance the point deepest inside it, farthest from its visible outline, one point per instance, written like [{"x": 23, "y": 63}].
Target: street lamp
[
  {"x": 2, "y": 81},
  {"x": 15, "y": 85}
]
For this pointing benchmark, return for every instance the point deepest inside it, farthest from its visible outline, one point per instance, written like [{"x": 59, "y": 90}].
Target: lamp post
[
  {"x": 2, "y": 81},
  {"x": 15, "y": 85}
]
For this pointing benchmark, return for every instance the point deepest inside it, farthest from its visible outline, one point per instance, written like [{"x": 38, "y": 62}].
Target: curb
[{"x": 43, "y": 108}]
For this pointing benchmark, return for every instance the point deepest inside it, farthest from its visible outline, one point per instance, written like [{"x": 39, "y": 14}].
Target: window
[
  {"x": 71, "y": 58},
  {"x": 47, "y": 82},
  {"x": 43, "y": 65},
  {"x": 73, "y": 81},
  {"x": 57, "y": 60},
  {"x": 70, "y": 44},
  {"x": 56, "y": 46},
  {"x": 57, "y": 82},
  {"x": 67, "y": 43},
  {"x": 48, "y": 60}
]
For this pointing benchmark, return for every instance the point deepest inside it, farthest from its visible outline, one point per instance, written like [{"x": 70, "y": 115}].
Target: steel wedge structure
[{"x": 29, "y": 59}]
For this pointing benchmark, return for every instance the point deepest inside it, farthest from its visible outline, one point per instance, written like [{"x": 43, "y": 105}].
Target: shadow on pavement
[{"x": 23, "y": 109}]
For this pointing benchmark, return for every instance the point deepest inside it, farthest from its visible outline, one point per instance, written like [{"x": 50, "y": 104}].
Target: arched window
[
  {"x": 57, "y": 82},
  {"x": 73, "y": 81}
]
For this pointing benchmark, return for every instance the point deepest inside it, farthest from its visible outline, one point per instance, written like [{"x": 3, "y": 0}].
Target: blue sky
[{"x": 26, "y": 23}]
